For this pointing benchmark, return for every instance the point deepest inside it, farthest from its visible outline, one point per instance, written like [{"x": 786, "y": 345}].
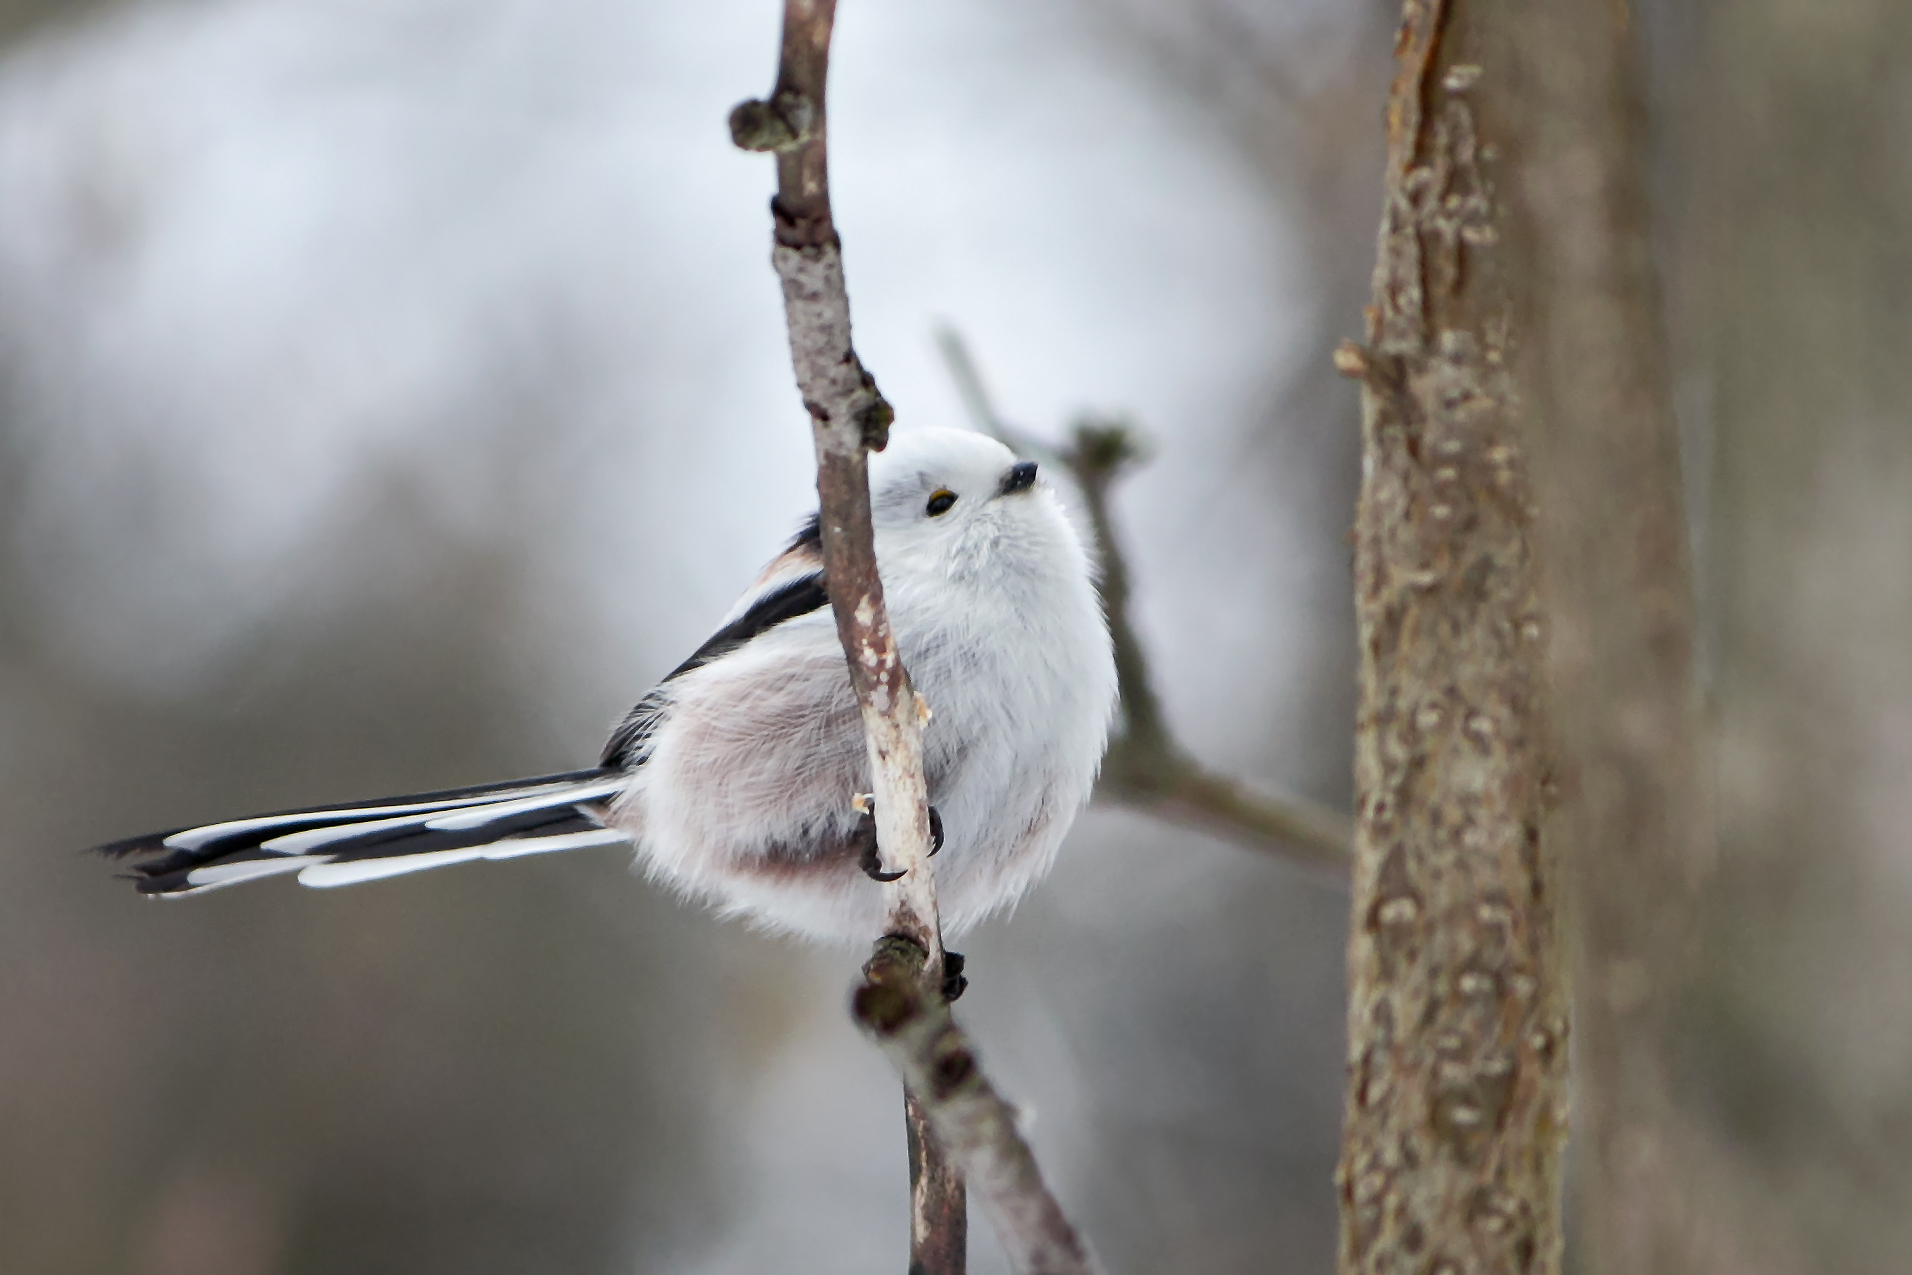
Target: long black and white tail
[{"x": 343, "y": 845}]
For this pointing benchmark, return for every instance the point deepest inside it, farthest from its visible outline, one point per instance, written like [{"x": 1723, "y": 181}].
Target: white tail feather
[
  {"x": 477, "y": 818},
  {"x": 222, "y": 874},
  {"x": 325, "y": 876}
]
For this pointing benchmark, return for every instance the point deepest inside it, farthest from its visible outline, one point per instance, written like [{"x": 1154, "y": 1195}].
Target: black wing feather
[{"x": 786, "y": 602}]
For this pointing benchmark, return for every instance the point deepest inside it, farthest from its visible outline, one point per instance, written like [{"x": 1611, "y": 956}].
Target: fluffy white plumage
[
  {"x": 745, "y": 797},
  {"x": 736, "y": 776}
]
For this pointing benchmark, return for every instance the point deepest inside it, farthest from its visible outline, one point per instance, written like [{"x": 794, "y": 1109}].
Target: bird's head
[{"x": 960, "y": 501}]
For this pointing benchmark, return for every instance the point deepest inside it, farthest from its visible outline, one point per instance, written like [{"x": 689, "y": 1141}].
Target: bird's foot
[
  {"x": 953, "y": 981},
  {"x": 869, "y": 858},
  {"x": 865, "y": 838}
]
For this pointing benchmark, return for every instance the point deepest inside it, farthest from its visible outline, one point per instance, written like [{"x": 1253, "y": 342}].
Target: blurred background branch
[{"x": 1146, "y": 768}]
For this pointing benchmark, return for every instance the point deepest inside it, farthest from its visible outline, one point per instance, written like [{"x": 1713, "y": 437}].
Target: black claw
[
  {"x": 953, "y": 981},
  {"x": 935, "y": 834},
  {"x": 869, "y": 860}
]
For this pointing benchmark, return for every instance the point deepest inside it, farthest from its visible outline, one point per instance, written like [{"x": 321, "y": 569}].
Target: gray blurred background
[{"x": 390, "y": 390}]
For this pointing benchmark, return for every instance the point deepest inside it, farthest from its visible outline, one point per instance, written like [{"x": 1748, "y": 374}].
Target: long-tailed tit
[{"x": 737, "y": 776}]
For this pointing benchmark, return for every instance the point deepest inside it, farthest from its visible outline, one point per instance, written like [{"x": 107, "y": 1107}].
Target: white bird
[{"x": 736, "y": 777}]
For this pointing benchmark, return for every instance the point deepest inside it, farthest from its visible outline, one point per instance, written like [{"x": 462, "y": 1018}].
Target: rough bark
[{"x": 1456, "y": 1112}]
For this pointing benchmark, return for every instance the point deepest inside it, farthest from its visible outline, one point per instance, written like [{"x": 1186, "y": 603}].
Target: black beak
[{"x": 1021, "y": 477}]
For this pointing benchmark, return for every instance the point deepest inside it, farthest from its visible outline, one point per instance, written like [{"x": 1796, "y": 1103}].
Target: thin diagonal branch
[
  {"x": 938, "y": 1063},
  {"x": 849, "y": 418},
  {"x": 1146, "y": 768}
]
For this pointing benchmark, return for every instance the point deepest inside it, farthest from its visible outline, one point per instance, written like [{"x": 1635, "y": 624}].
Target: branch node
[
  {"x": 885, "y": 1009},
  {"x": 782, "y": 124},
  {"x": 896, "y": 960},
  {"x": 1351, "y": 360},
  {"x": 873, "y": 414},
  {"x": 1103, "y": 446},
  {"x": 802, "y": 227}
]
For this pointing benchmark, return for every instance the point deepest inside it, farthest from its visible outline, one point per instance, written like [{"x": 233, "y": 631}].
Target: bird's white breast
[{"x": 763, "y": 749}]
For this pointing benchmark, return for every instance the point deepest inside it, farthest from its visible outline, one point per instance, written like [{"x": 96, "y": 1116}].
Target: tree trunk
[{"x": 1455, "y": 1112}]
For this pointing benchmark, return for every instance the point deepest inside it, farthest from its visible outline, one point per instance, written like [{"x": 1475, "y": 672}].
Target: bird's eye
[{"x": 940, "y": 502}]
